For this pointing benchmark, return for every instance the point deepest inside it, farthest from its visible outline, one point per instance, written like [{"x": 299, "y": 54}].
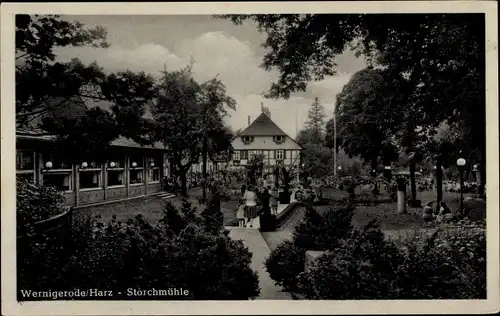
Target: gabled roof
[
  {"x": 70, "y": 107},
  {"x": 262, "y": 126}
]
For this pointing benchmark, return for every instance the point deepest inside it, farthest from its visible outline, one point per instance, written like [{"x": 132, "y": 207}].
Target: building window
[
  {"x": 153, "y": 170},
  {"x": 243, "y": 154},
  {"x": 247, "y": 139},
  {"x": 136, "y": 170},
  {"x": 25, "y": 165},
  {"x": 236, "y": 155},
  {"x": 57, "y": 172},
  {"x": 279, "y": 154},
  {"x": 253, "y": 153},
  {"x": 116, "y": 171},
  {"x": 279, "y": 139},
  {"x": 90, "y": 178},
  {"x": 61, "y": 180}
]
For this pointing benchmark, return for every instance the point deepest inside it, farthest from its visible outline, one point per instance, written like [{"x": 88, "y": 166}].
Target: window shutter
[
  {"x": 274, "y": 154},
  {"x": 284, "y": 154}
]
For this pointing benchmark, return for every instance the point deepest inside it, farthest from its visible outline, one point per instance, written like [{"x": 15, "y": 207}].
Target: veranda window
[
  {"x": 25, "y": 165},
  {"x": 136, "y": 170},
  {"x": 153, "y": 170},
  {"x": 116, "y": 171},
  {"x": 90, "y": 175},
  {"x": 57, "y": 172}
]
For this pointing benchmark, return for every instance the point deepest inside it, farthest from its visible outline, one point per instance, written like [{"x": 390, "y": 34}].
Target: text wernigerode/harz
[{"x": 88, "y": 293}]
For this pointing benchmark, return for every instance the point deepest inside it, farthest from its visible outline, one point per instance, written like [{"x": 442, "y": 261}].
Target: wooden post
[
  {"x": 105, "y": 180},
  {"x": 146, "y": 174},
  {"x": 39, "y": 168},
  {"x": 127, "y": 177},
  {"x": 76, "y": 185}
]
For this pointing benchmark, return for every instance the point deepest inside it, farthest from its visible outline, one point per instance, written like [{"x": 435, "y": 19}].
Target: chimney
[{"x": 249, "y": 120}]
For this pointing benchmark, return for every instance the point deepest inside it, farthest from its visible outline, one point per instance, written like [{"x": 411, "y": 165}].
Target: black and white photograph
[{"x": 302, "y": 156}]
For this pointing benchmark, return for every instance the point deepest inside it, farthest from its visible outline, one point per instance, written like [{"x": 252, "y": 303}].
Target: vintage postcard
[{"x": 250, "y": 158}]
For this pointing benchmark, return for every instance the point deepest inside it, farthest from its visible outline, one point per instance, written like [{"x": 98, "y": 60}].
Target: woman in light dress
[{"x": 250, "y": 203}]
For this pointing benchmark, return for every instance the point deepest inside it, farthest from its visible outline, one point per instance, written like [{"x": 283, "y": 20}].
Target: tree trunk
[
  {"x": 439, "y": 183},
  {"x": 401, "y": 200},
  {"x": 413, "y": 184},
  {"x": 182, "y": 176},
  {"x": 205, "y": 159}
]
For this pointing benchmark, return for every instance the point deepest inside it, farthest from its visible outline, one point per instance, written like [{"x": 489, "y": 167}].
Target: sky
[{"x": 234, "y": 53}]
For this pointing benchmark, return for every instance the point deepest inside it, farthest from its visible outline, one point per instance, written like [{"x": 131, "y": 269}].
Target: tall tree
[
  {"x": 176, "y": 124},
  {"x": 316, "y": 121},
  {"x": 216, "y": 138},
  {"x": 316, "y": 156},
  {"x": 188, "y": 119},
  {"x": 365, "y": 117}
]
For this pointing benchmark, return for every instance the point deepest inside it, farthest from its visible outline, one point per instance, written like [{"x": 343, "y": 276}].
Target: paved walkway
[{"x": 253, "y": 239}]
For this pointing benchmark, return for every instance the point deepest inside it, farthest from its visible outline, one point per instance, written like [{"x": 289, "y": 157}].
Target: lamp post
[
  {"x": 388, "y": 173},
  {"x": 461, "y": 164}
]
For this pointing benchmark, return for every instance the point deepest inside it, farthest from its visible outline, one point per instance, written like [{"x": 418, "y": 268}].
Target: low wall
[
  {"x": 281, "y": 217},
  {"x": 116, "y": 193},
  {"x": 91, "y": 196}
]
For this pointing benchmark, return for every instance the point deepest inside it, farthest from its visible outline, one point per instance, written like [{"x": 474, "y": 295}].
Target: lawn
[
  {"x": 151, "y": 208},
  {"x": 391, "y": 222}
]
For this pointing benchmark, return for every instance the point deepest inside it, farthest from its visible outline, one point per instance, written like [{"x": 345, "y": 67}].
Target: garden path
[{"x": 252, "y": 238}]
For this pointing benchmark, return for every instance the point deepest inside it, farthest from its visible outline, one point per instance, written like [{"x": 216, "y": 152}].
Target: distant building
[
  {"x": 263, "y": 136},
  {"x": 132, "y": 170}
]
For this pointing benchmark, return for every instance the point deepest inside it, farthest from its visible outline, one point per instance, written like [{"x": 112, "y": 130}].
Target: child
[
  {"x": 274, "y": 201},
  {"x": 240, "y": 214}
]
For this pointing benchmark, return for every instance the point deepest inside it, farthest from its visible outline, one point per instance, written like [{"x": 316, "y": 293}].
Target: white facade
[
  {"x": 264, "y": 137},
  {"x": 286, "y": 152}
]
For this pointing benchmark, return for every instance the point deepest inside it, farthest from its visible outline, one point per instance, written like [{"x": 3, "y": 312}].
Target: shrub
[
  {"x": 449, "y": 265},
  {"x": 315, "y": 232},
  {"x": 35, "y": 203},
  {"x": 361, "y": 266},
  {"x": 176, "y": 252},
  {"x": 285, "y": 263},
  {"x": 366, "y": 266}
]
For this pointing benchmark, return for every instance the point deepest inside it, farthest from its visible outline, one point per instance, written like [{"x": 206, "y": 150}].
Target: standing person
[
  {"x": 250, "y": 203},
  {"x": 243, "y": 189},
  {"x": 265, "y": 199},
  {"x": 240, "y": 214},
  {"x": 274, "y": 200}
]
